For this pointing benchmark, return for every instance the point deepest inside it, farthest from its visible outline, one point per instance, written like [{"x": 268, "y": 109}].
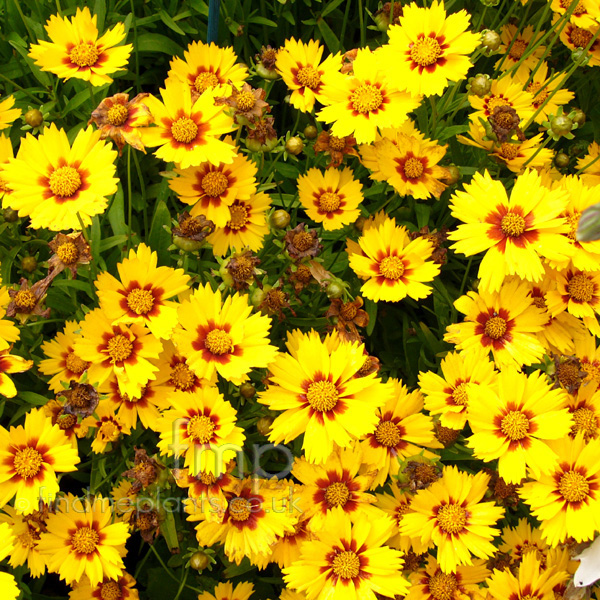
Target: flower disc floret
[
  {"x": 64, "y": 182},
  {"x": 452, "y": 518},
  {"x": 117, "y": 114},
  {"x": 84, "y": 55},
  {"x": 85, "y": 540},
  {"x": 391, "y": 267},
  {"x": 388, "y": 434},
  {"x": 573, "y": 486},
  {"x": 240, "y": 509},
  {"x": 218, "y": 342},
  {"x": 512, "y": 224},
  {"x": 27, "y": 462},
  {"x": 322, "y": 396},
  {"x": 309, "y": 77},
  {"x": 205, "y": 81},
  {"x": 337, "y": 494},
  {"x": 366, "y": 98},
  {"x": 215, "y": 183},
  {"x": 426, "y": 51},
  {"x": 119, "y": 348},
  {"x": 581, "y": 288},
  {"x": 515, "y": 425},
  {"x": 201, "y": 429},
  {"x": 184, "y": 130},
  {"x": 346, "y": 565},
  {"x": 140, "y": 301},
  {"x": 329, "y": 201}
]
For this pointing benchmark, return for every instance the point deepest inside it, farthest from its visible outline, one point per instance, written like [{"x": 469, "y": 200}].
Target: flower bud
[
  {"x": 561, "y": 160},
  {"x": 10, "y": 215},
  {"x": 34, "y": 117},
  {"x": 280, "y": 219},
  {"x": 186, "y": 244},
  {"x": 310, "y": 132},
  {"x": 454, "y": 174},
  {"x": 360, "y": 223},
  {"x": 263, "y": 425},
  {"x": 29, "y": 264},
  {"x": 226, "y": 275},
  {"x": 561, "y": 125},
  {"x": 258, "y": 295},
  {"x": 578, "y": 117},
  {"x": 334, "y": 290},
  {"x": 199, "y": 561},
  {"x": 490, "y": 40},
  {"x": 580, "y": 57},
  {"x": 480, "y": 85},
  {"x": 247, "y": 390},
  {"x": 294, "y": 145},
  {"x": 265, "y": 73}
]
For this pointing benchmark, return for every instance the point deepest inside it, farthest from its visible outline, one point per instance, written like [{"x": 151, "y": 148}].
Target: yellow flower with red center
[
  {"x": 532, "y": 581},
  {"x": 360, "y": 103},
  {"x": 505, "y": 91},
  {"x": 566, "y": 500},
  {"x": 585, "y": 15},
  {"x": 27, "y": 530},
  {"x": 108, "y": 427},
  {"x": 202, "y": 427},
  {"x": 584, "y": 407},
  {"x": 124, "y": 351},
  {"x": 119, "y": 118},
  {"x": 503, "y": 322},
  {"x": 175, "y": 373},
  {"x": 402, "y": 431},
  {"x": 302, "y": 68},
  {"x": 142, "y": 294},
  {"x": 246, "y": 228},
  {"x": 431, "y": 583},
  {"x": 429, "y": 48},
  {"x": 574, "y": 37},
  {"x": 450, "y": 513},
  {"x": 7, "y": 113},
  {"x": 348, "y": 560},
  {"x": 515, "y": 233},
  {"x": 514, "y": 421},
  {"x": 393, "y": 265},
  {"x": 208, "y": 67},
  {"x": 577, "y": 292},
  {"x": 224, "y": 337},
  {"x": 340, "y": 483},
  {"x": 77, "y": 51},
  {"x": 331, "y": 197},
  {"x": 448, "y": 395},
  {"x": 31, "y": 455},
  {"x": 226, "y": 591},
  {"x": 588, "y": 356},
  {"x": 10, "y": 363},
  {"x": 589, "y": 165},
  {"x": 257, "y": 514},
  {"x": 120, "y": 588},
  {"x": 62, "y": 362},
  {"x": 212, "y": 188},
  {"x": 81, "y": 539},
  {"x": 411, "y": 168},
  {"x": 515, "y": 42},
  {"x": 316, "y": 388},
  {"x": 187, "y": 131},
  {"x": 56, "y": 184},
  {"x": 8, "y": 584}
]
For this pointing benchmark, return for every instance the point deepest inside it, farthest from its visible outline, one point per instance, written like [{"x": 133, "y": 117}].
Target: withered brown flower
[
  {"x": 247, "y": 103},
  {"x": 27, "y": 300},
  {"x": 302, "y": 242},
  {"x": 118, "y": 118},
  {"x": 437, "y": 238},
  {"x": 69, "y": 250},
  {"x": 81, "y": 399},
  {"x": 335, "y": 147},
  {"x": 242, "y": 268},
  {"x": 145, "y": 471},
  {"x": 192, "y": 231},
  {"x": 348, "y": 316},
  {"x": 300, "y": 276},
  {"x": 274, "y": 301},
  {"x": 505, "y": 121}
]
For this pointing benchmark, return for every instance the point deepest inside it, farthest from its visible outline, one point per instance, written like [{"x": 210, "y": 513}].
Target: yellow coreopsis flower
[
  {"x": 30, "y": 457},
  {"x": 360, "y": 103},
  {"x": 10, "y": 363},
  {"x": 302, "y": 69},
  {"x": 450, "y": 513},
  {"x": 321, "y": 396},
  {"x": 429, "y": 48},
  {"x": 142, "y": 294},
  {"x": 56, "y": 184},
  {"x": 505, "y": 91},
  {"x": 518, "y": 39},
  {"x": 187, "y": 130},
  {"x": 226, "y": 591},
  {"x": 120, "y": 588},
  {"x": 82, "y": 539},
  {"x": 515, "y": 233},
  {"x": 348, "y": 561},
  {"x": 8, "y": 114},
  {"x": 513, "y": 422},
  {"x": 393, "y": 265},
  {"x": 8, "y": 584},
  {"x": 331, "y": 197},
  {"x": 77, "y": 51}
]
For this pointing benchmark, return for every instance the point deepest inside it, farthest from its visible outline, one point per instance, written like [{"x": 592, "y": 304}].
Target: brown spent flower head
[
  {"x": 273, "y": 303},
  {"x": 247, "y": 103},
  {"x": 500, "y": 561},
  {"x": 193, "y": 228},
  {"x": 413, "y": 561},
  {"x": 302, "y": 242},
  {"x": 145, "y": 520},
  {"x": 568, "y": 373},
  {"x": 300, "y": 276},
  {"x": 118, "y": 118},
  {"x": 420, "y": 475},
  {"x": 371, "y": 365},
  {"x": 348, "y": 316},
  {"x": 81, "y": 399},
  {"x": 335, "y": 147},
  {"x": 267, "y": 58},
  {"x": 27, "y": 300},
  {"x": 67, "y": 422},
  {"x": 145, "y": 470},
  {"x": 69, "y": 250},
  {"x": 446, "y": 435},
  {"x": 242, "y": 268},
  {"x": 504, "y": 121},
  {"x": 437, "y": 238},
  {"x": 262, "y": 132},
  {"x": 505, "y": 494}
]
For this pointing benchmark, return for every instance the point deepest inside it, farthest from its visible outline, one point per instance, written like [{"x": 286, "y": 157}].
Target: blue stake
[{"x": 213, "y": 21}]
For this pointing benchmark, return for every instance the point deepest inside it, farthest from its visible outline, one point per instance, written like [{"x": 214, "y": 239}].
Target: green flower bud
[
  {"x": 310, "y": 132},
  {"x": 247, "y": 390},
  {"x": 480, "y": 85},
  {"x": 265, "y": 73},
  {"x": 186, "y": 244},
  {"x": 34, "y": 117},
  {"x": 294, "y": 145},
  {"x": 561, "y": 160},
  {"x": 10, "y": 215},
  {"x": 199, "y": 561},
  {"x": 263, "y": 425},
  {"x": 280, "y": 219},
  {"x": 29, "y": 264},
  {"x": 588, "y": 228},
  {"x": 490, "y": 40}
]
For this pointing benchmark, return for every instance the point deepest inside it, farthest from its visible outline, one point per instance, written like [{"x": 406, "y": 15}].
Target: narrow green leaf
[
  {"x": 371, "y": 308},
  {"x": 330, "y": 38},
  {"x": 331, "y": 7},
  {"x": 160, "y": 239},
  {"x": 155, "y": 42},
  {"x": 116, "y": 214},
  {"x": 168, "y": 21}
]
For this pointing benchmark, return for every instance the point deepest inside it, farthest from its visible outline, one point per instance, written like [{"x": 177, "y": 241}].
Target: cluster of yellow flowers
[{"x": 373, "y": 503}]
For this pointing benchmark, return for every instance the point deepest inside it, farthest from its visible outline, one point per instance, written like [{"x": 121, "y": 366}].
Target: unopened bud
[
  {"x": 480, "y": 85},
  {"x": 263, "y": 425},
  {"x": 294, "y": 145},
  {"x": 280, "y": 219},
  {"x": 29, "y": 264},
  {"x": 310, "y": 132},
  {"x": 34, "y": 117},
  {"x": 588, "y": 228},
  {"x": 490, "y": 40},
  {"x": 247, "y": 390},
  {"x": 561, "y": 160}
]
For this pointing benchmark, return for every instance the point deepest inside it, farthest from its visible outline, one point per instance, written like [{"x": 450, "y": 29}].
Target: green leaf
[
  {"x": 168, "y": 21},
  {"x": 371, "y": 308},
  {"x": 262, "y": 21},
  {"x": 33, "y": 398},
  {"x": 331, "y": 7},
  {"x": 159, "y": 239},
  {"x": 155, "y": 42},
  {"x": 100, "y": 12},
  {"x": 422, "y": 211},
  {"x": 111, "y": 242},
  {"x": 116, "y": 214},
  {"x": 330, "y": 38}
]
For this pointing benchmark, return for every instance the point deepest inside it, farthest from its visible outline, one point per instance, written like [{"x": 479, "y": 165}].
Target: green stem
[
  {"x": 130, "y": 198},
  {"x": 22, "y": 89},
  {"x": 514, "y": 39},
  {"x": 588, "y": 165},
  {"x": 181, "y": 585},
  {"x": 142, "y": 188},
  {"x": 361, "y": 19},
  {"x": 135, "y": 46},
  {"x": 29, "y": 32},
  {"x": 92, "y": 99}
]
